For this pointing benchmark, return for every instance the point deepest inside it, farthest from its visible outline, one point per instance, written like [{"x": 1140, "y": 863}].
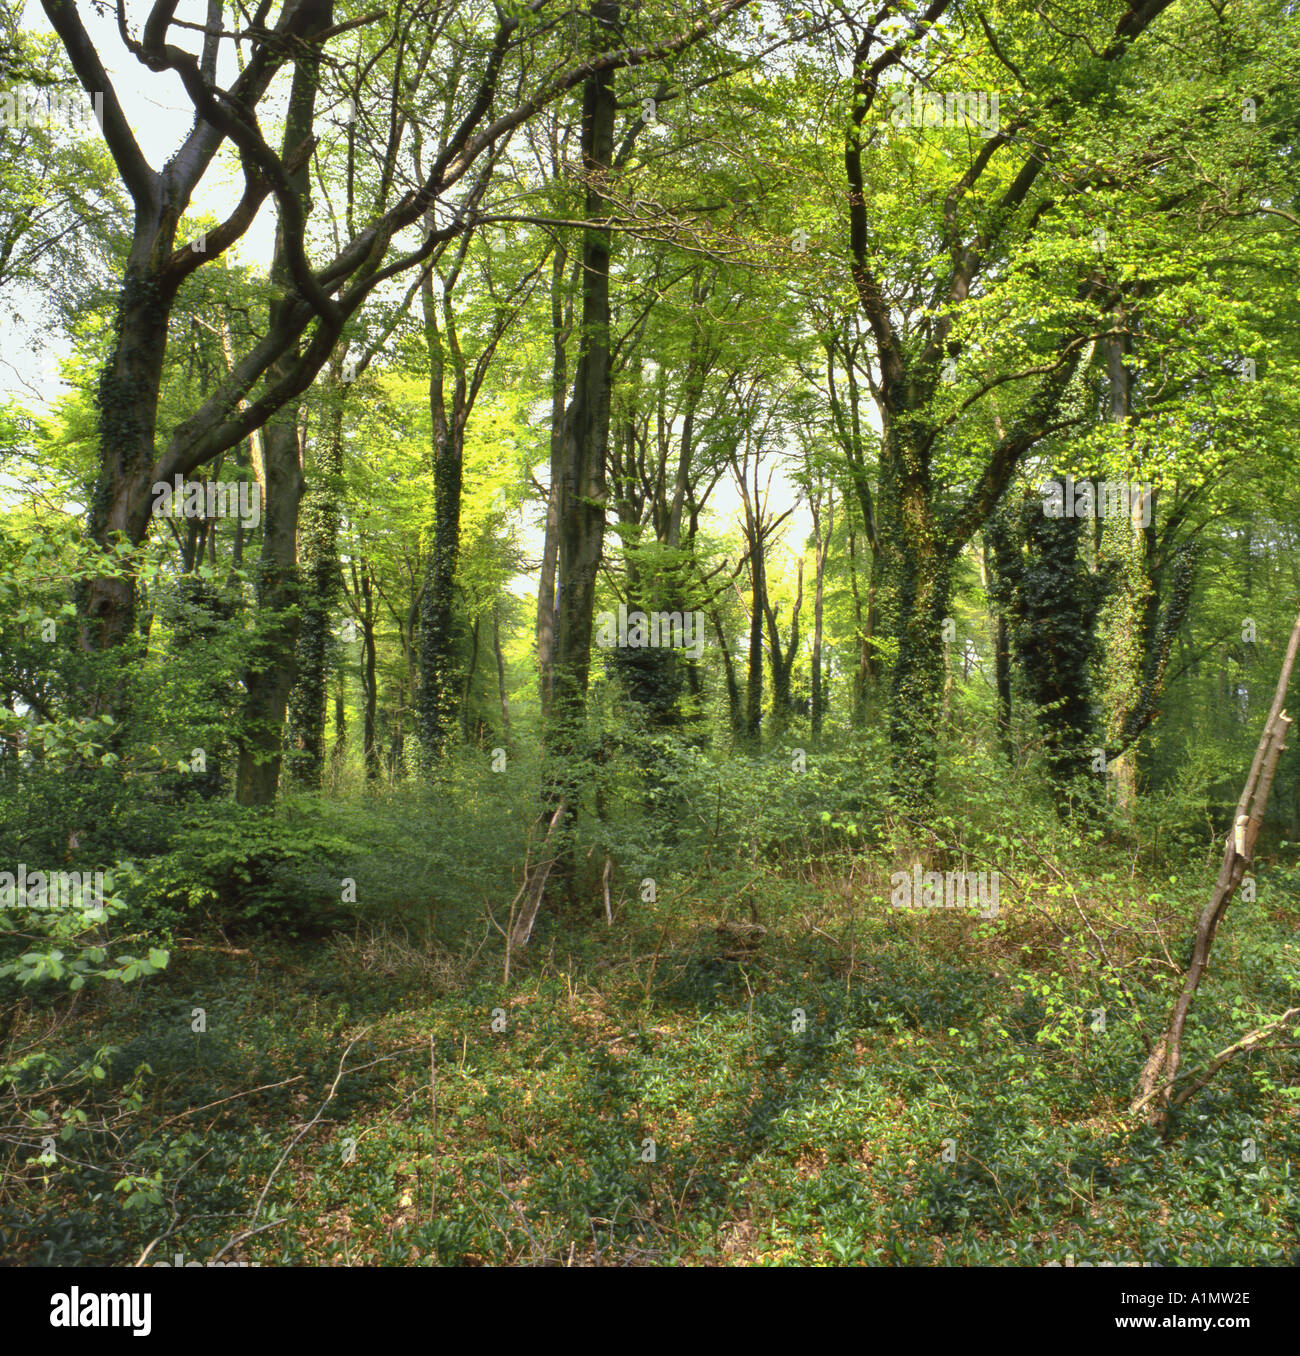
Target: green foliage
[
  {"x": 725, "y": 1042},
  {"x": 248, "y": 868},
  {"x": 83, "y": 924}
]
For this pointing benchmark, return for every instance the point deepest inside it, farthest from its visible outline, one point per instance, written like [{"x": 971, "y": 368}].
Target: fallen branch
[
  {"x": 534, "y": 887},
  {"x": 1248, "y": 1042}
]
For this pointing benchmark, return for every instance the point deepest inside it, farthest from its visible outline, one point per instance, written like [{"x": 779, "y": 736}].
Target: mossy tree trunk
[
  {"x": 322, "y": 514},
  {"x": 581, "y": 503},
  {"x": 270, "y": 673}
]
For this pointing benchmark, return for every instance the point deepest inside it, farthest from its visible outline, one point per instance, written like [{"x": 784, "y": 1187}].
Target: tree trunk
[
  {"x": 754, "y": 676},
  {"x": 271, "y": 674},
  {"x": 501, "y": 672},
  {"x": 735, "y": 712},
  {"x": 822, "y": 544},
  {"x": 369, "y": 680},
  {"x": 581, "y": 506},
  {"x": 1001, "y": 642},
  {"x": 1153, "y": 1095},
  {"x": 127, "y": 403},
  {"x": 338, "y": 754},
  {"x": 1127, "y": 607},
  {"x": 864, "y": 679},
  {"x": 914, "y": 568},
  {"x": 561, "y": 324},
  {"x": 586, "y": 432},
  {"x": 437, "y": 695},
  {"x": 469, "y": 681},
  {"x": 782, "y": 660},
  {"x": 1041, "y": 579},
  {"x": 321, "y": 518}
]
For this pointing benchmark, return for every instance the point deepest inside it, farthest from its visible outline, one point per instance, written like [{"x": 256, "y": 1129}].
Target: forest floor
[{"x": 846, "y": 1083}]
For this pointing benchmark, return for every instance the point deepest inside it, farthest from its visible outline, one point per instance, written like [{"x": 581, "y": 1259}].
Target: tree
[
  {"x": 311, "y": 318},
  {"x": 922, "y": 525}
]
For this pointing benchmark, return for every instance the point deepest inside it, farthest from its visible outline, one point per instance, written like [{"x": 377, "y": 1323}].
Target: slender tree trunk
[
  {"x": 339, "y": 753},
  {"x": 369, "y": 681},
  {"x": 754, "y": 676},
  {"x": 437, "y": 696},
  {"x": 1001, "y": 641},
  {"x": 735, "y": 712},
  {"x": 864, "y": 679},
  {"x": 469, "y": 681},
  {"x": 561, "y": 324},
  {"x": 1125, "y": 641},
  {"x": 501, "y": 672},
  {"x": 818, "y": 696}
]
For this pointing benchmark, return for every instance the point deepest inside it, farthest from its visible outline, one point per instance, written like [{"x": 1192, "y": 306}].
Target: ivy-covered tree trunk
[
  {"x": 339, "y": 751},
  {"x": 202, "y": 613},
  {"x": 913, "y": 567},
  {"x": 322, "y": 512},
  {"x": 999, "y": 637},
  {"x": 438, "y": 696},
  {"x": 922, "y": 524},
  {"x": 369, "y": 679},
  {"x": 270, "y": 672},
  {"x": 127, "y": 408},
  {"x": 916, "y": 688},
  {"x": 130, "y": 381},
  {"x": 1042, "y": 582}
]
